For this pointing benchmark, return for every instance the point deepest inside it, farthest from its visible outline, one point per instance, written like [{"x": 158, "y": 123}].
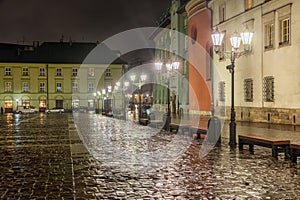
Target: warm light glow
[
  {"x": 175, "y": 65},
  {"x": 217, "y": 37},
  {"x": 99, "y": 93},
  {"x": 143, "y": 77},
  {"x": 126, "y": 83},
  {"x": 235, "y": 40},
  {"x": 118, "y": 84},
  {"x": 109, "y": 88},
  {"x": 169, "y": 66},
  {"x": 94, "y": 94},
  {"x": 158, "y": 66},
  {"x": 246, "y": 37},
  {"x": 103, "y": 91},
  {"x": 132, "y": 77}
]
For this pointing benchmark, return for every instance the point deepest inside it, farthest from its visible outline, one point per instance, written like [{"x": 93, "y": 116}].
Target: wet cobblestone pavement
[{"x": 42, "y": 157}]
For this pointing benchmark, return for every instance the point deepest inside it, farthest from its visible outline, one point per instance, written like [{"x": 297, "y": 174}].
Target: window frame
[
  {"x": 285, "y": 38},
  {"x": 25, "y": 71},
  {"x": 42, "y": 71},
  {"x": 8, "y": 71},
  {"x": 25, "y": 87},
  {"x": 269, "y": 35},
  {"x": 108, "y": 72},
  {"x": 91, "y": 87},
  {"x": 42, "y": 87},
  {"x": 58, "y": 71},
  {"x": 75, "y": 87},
  {"x": 8, "y": 86},
  {"x": 59, "y": 87},
  {"x": 75, "y": 72}
]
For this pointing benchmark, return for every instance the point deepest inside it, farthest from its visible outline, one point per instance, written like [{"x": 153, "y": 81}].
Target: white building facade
[{"x": 267, "y": 79}]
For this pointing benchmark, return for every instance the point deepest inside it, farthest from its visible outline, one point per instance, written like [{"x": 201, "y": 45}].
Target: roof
[{"x": 59, "y": 52}]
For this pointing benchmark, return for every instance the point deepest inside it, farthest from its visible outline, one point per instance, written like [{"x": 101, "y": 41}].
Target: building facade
[
  {"x": 171, "y": 42},
  {"x": 53, "y": 74},
  {"x": 266, "y": 78},
  {"x": 199, "y": 47}
]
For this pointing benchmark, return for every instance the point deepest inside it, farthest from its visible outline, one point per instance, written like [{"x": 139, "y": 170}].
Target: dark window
[
  {"x": 268, "y": 89},
  {"x": 248, "y": 90}
]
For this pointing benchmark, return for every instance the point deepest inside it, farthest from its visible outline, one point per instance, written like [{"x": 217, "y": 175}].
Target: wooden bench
[
  {"x": 182, "y": 127},
  {"x": 294, "y": 152},
  {"x": 155, "y": 123},
  {"x": 277, "y": 145},
  {"x": 198, "y": 131},
  {"x": 144, "y": 121}
]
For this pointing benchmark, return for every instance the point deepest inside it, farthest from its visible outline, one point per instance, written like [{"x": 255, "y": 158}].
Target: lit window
[
  {"x": 75, "y": 72},
  {"x": 42, "y": 87},
  {"x": 284, "y": 31},
  {"x": 58, "y": 71},
  {"x": 248, "y": 4},
  {"x": 7, "y": 71},
  {"x": 25, "y": 71},
  {"x": 107, "y": 72},
  {"x": 25, "y": 87},
  {"x": 58, "y": 87},
  {"x": 91, "y": 72},
  {"x": 8, "y": 87},
  {"x": 269, "y": 35},
  {"x": 42, "y": 71}
]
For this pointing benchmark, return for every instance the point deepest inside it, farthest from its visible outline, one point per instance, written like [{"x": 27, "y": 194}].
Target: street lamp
[
  {"x": 171, "y": 69},
  {"x": 142, "y": 78},
  {"x": 103, "y": 100},
  {"x": 235, "y": 40},
  {"x": 97, "y": 95}
]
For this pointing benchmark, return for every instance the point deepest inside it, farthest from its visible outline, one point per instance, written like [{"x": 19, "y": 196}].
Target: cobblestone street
[{"x": 43, "y": 157}]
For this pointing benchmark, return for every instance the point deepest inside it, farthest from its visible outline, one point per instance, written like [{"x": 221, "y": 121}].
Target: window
[
  {"x": 25, "y": 87},
  {"x": 222, "y": 57},
  {"x": 91, "y": 72},
  {"x": 248, "y": 4},
  {"x": 75, "y": 72},
  {"x": 91, "y": 87},
  {"x": 58, "y": 87},
  {"x": 42, "y": 87},
  {"x": 222, "y": 12},
  {"x": 42, "y": 71},
  {"x": 107, "y": 72},
  {"x": 269, "y": 35},
  {"x": 284, "y": 31},
  {"x": 75, "y": 87},
  {"x": 58, "y": 71},
  {"x": 222, "y": 91},
  {"x": 7, "y": 71},
  {"x": 268, "y": 89},
  {"x": 248, "y": 90},
  {"x": 25, "y": 71},
  {"x": 8, "y": 87}
]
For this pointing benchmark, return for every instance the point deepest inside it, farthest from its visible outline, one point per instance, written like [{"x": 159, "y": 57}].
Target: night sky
[{"x": 81, "y": 20}]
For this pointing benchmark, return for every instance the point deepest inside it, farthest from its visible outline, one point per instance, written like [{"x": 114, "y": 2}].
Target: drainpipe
[
  {"x": 47, "y": 75},
  {"x": 211, "y": 64}
]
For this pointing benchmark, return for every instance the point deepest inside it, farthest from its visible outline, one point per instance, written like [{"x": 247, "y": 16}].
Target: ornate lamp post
[
  {"x": 171, "y": 69},
  {"x": 103, "y": 101},
  {"x": 142, "y": 78},
  {"x": 97, "y": 95},
  {"x": 235, "y": 39}
]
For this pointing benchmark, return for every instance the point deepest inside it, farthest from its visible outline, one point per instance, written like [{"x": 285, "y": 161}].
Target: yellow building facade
[{"x": 40, "y": 80}]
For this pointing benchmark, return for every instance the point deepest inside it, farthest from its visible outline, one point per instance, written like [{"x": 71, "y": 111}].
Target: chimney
[{"x": 36, "y": 44}]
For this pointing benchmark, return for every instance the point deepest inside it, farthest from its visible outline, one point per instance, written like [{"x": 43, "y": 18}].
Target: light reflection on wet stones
[{"x": 38, "y": 164}]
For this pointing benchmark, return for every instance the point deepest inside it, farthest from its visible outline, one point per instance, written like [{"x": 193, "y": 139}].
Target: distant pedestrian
[{"x": 1, "y": 110}]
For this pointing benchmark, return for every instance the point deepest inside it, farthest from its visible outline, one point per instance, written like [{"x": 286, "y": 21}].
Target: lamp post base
[{"x": 232, "y": 132}]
